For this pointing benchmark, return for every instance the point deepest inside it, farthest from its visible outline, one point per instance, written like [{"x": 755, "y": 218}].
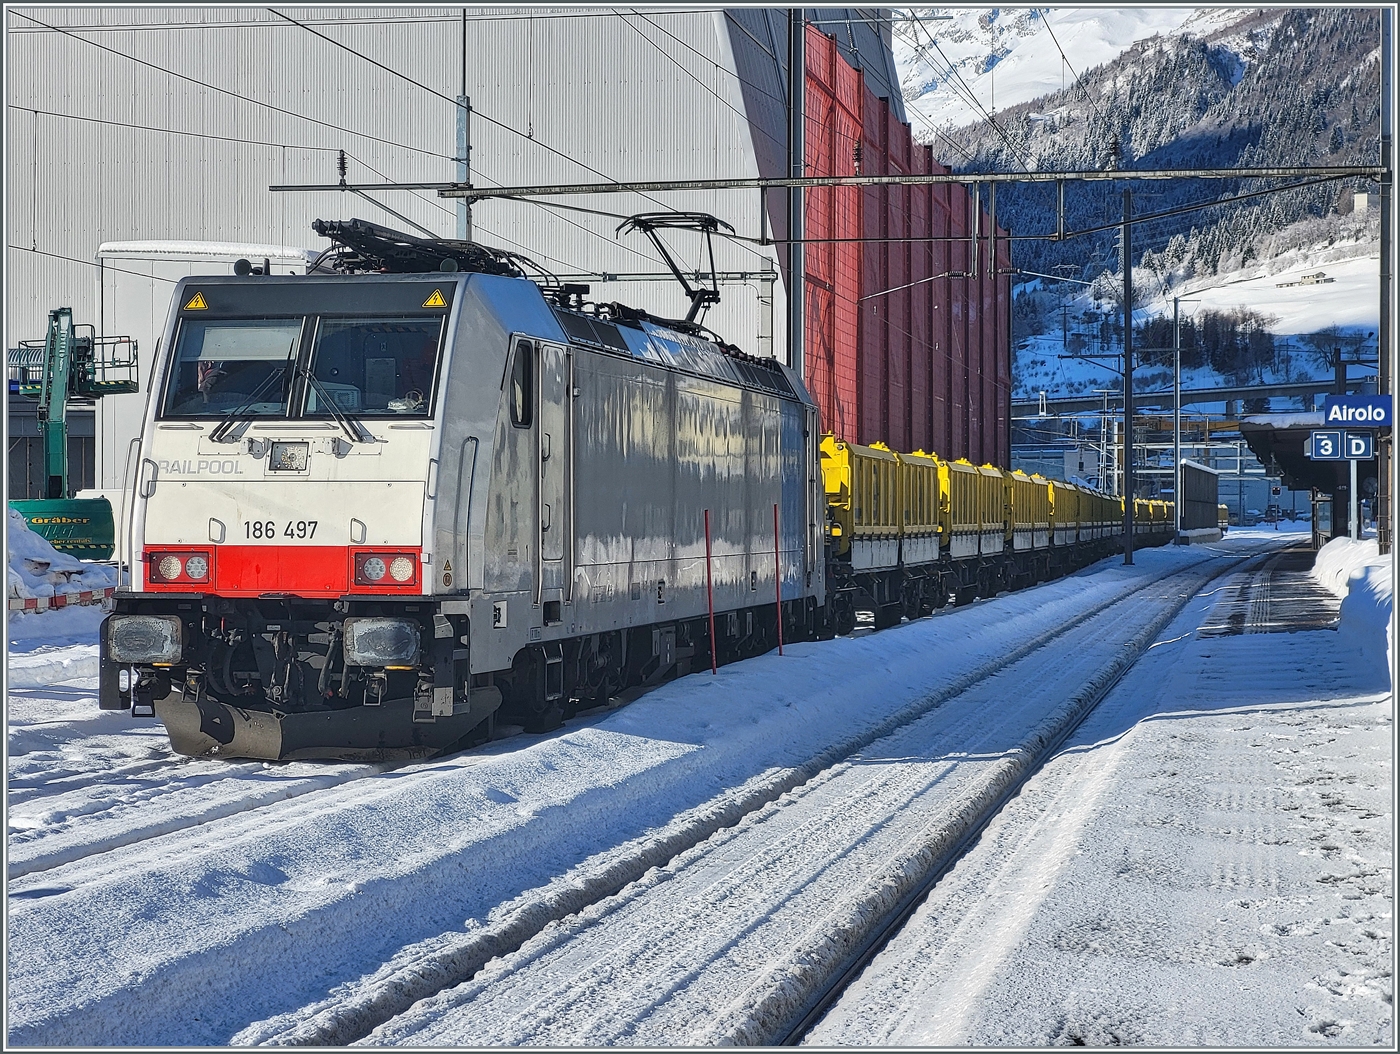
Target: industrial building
[{"x": 170, "y": 124}]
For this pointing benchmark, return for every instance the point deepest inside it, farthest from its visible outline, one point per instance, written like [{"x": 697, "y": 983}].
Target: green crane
[{"x": 68, "y": 365}]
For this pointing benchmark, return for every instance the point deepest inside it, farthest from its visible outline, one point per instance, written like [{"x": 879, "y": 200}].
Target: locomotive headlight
[
  {"x": 372, "y": 569},
  {"x": 380, "y": 642},
  {"x": 400, "y": 569},
  {"x": 197, "y": 567},
  {"x": 145, "y": 638},
  {"x": 170, "y": 568}
]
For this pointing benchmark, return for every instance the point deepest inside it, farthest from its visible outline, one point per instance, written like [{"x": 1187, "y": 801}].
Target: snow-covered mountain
[
  {"x": 954, "y": 60},
  {"x": 1153, "y": 87}
]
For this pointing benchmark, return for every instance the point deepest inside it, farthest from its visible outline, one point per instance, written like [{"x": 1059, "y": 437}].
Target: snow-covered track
[
  {"x": 375, "y": 1003},
  {"x": 1051, "y": 735},
  {"x": 318, "y": 917},
  {"x": 140, "y": 802}
]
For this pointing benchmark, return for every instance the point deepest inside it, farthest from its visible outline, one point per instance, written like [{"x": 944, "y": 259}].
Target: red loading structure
[{"x": 908, "y": 333}]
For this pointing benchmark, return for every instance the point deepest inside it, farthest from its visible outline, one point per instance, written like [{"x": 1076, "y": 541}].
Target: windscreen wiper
[
  {"x": 226, "y": 432},
  {"x": 358, "y": 433}
]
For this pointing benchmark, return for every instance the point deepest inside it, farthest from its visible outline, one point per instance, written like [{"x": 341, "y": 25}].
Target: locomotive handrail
[
  {"x": 129, "y": 483},
  {"x": 457, "y": 506}
]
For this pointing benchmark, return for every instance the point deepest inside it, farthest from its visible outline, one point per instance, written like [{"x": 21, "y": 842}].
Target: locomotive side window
[
  {"x": 522, "y": 386},
  {"x": 223, "y": 365},
  {"x": 382, "y": 366}
]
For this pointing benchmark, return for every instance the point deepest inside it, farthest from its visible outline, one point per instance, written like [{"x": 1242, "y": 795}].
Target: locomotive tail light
[
  {"x": 145, "y": 638},
  {"x": 386, "y": 569},
  {"x": 381, "y": 642},
  {"x": 189, "y": 568}
]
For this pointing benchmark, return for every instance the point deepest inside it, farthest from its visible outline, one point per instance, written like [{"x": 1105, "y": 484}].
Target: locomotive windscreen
[{"x": 291, "y": 349}]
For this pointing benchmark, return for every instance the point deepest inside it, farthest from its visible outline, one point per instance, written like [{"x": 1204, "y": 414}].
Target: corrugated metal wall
[
  {"x": 104, "y": 145},
  {"x": 908, "y": 336}
]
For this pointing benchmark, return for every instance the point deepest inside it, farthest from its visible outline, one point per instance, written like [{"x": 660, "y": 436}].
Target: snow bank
[
  {"x": 37, "y": 569},
  {"x": 49, "y": 647},
  {"x": 1365, "y": 580}
]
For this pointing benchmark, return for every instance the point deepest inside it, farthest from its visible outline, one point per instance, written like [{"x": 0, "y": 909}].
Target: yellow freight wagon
[
  {"x": 1064, "y": 513},
  {"x": 924, "y": 490},
  {"x": 1028, "y": 502},
  {"x": 862, "y": 487}
]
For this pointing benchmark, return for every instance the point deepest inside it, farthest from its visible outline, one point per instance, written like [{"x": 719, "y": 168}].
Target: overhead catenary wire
[
  {"x": 529, "y": 136},
  {"x": 970, "y": 97},
  {"x": 371, "y": 20},
  {"x": 1078, "y": 80},
  {"x": 233, "y": 94},
  {"x": 475, "y": 112}
]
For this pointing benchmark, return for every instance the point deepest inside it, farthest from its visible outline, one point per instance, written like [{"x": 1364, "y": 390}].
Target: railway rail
[
  {"x": 712, "y": 801},
  {"x": 813, "y": 881}
]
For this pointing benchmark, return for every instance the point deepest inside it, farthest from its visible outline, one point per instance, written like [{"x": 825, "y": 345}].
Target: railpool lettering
[{"x": 201, "y": 467}]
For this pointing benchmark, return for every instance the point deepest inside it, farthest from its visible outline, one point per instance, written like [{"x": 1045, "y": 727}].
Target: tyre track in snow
[
  {"x": 686, "y": 956},
  {"x": 421, "y": 973}
]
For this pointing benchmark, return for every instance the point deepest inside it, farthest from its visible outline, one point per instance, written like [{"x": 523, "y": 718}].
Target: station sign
[
  {"x": 1336, "y": 445},
  {"x": 1325, "y": 446},
  {"x": 1357, "y": 411},
  {"x": 1359, "y": 446}
]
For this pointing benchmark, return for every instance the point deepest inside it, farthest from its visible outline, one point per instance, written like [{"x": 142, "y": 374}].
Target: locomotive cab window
[
  {"x": 382, "y": 366},
  {"x": 223, "y": 366},
  {"x": 522, "y": 385}
]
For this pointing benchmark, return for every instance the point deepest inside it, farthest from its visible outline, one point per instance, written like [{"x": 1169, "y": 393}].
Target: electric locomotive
[
  {"x": 371, "y": 510},
  {"x": 377, "y": 506}
]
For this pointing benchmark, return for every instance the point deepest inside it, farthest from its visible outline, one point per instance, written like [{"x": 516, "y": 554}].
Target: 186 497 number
[{"x": 302, "y": 530}]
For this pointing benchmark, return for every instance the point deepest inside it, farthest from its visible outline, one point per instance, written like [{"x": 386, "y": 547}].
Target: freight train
[{"x": 377, "y": 508}]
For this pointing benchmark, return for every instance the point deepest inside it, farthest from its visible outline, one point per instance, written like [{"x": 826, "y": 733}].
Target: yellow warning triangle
[
  {"x": 435, "y": 300},
  {"x": 197, "y": 303}
]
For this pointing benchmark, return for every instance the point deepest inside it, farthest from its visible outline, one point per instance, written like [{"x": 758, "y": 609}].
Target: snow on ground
[
  {"x": 1352, "y": 301},
  {"x": 60, "y": 644},
  {"x": 281, "y": 901},
  {"x": 161, "y": 900},
  {"x": 1355, "y": 571},
  {"x": 1207, "y": 862},
  {"x": 37, "y": 569}
]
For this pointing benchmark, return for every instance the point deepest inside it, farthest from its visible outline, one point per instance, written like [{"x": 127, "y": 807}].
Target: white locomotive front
[{"x": 373, "y": 510}]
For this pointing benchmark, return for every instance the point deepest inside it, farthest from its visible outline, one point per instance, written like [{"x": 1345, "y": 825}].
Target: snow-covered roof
[
  {"x": 1304, "y": 419},
  {"x": 185, "y": 250}
]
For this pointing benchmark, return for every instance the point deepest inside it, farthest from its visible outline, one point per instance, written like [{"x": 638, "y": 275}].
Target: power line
[
  {"x": 971, "y": 97},
  {"x": 90, "y": 263},
  {"x": 233, "y": 94},
  {"x": 1077, "y": 79},
  {"x": 485, "y": 117},
  {"x": 173, "y": 131},
  {"x": 454, "y": 19}
]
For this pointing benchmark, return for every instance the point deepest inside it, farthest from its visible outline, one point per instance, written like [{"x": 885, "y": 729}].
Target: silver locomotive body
[{"x": 537, "y": 523}]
